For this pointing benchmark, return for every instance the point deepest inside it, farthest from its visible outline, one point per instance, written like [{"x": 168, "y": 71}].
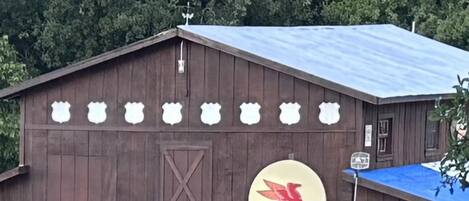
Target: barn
[{"x": 196, "y": 112}]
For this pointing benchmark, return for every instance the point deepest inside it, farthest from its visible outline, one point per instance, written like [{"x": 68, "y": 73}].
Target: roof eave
[{"x": 414, "y": 98}]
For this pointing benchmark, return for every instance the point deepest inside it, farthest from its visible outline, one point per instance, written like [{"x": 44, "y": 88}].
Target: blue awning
[{"x": 416, "y": 180}]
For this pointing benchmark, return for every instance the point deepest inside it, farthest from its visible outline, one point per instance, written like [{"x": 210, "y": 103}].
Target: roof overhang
[{"x": 414, "y": 98}]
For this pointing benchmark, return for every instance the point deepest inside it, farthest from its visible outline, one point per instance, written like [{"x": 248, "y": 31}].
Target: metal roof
[{"x": 381, "y": 60}]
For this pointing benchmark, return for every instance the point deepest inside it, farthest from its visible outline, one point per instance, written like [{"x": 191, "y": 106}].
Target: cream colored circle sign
[{"x": 287, "y": 180}]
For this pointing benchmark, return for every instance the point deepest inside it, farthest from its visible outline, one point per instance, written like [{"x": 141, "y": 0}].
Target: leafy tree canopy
[{"x": 455, "y": 164}]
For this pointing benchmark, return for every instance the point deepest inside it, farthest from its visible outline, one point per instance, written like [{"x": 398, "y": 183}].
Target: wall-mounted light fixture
[{"x": 181, "y": 61}]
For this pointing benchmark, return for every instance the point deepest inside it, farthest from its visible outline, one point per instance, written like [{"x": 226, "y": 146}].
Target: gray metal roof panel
[{"x": 381, "y": 60}]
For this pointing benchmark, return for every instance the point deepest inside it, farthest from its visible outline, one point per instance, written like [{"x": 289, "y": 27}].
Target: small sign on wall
[{"x": 368, "y": 135}]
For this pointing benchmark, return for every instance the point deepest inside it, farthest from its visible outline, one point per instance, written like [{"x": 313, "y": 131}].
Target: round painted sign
[{"x": 287, "y": 180}]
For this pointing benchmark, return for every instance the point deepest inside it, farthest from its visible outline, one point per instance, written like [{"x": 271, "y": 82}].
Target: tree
[
  {"x": 283, "y": 12},
  {"x": 11, "y": 72},
  {"x": 455, "y": 164}
]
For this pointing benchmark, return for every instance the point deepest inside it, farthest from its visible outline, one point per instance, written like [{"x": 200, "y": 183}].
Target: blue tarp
[
  {"x": 380, "y": 60},
  {"x": 414, "y": 179}
]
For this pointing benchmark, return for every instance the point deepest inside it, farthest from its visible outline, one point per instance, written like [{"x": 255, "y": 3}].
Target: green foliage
[
  {"x": 11, "y": 72},
  {"x": 455, "y": 164},
  {"x": 446, "y": 21},
  {"x": 283, "y": 12}
]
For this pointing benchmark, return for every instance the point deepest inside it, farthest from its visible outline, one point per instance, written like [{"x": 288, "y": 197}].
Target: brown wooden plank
[
  {"x": 54, "y": 140},
  {"x": 54, "y": 166},
  {"x": 168, "y": 83},
  {"x": 95, "y": 182},
  {"x": 331, "y": 163},
  {"x": 79, "y": 108},
  {"x": 359, "y": 125},
  {"x": 316, "y": 97},
  {"x": 315, "y": 153},
  {"x": 226, "y": 89},
  {"x": 195, "y": 183},
  {"x": 286, "y": 87},
  {"x": 124, "y": 73},
  {"x": 167, "y": 181},
  {"x": 39, "y": 165},
  {"x": 270, "y": 106},
  {"x": 241, "y": 88},
  {"x": 196, "y": 72},
  {"x": 222, "y": 168},
  {"x": 152, "y": 88},
  {"x": 40, "y": 108},
  {"x": 81, "y": 178},
  {"x": 109, "y": 166},
  {"x": 123, "y": 167},
  {"x": 302, "y": 97},
  {"x": 96, "y": 83},
  {"x": 137, "y": 168},
  {"x": 207, "y": 177},
  {"x": 138, "y": 78},
  {"x": 95, "y": 179},
  {"x": 182, "y": 162},
  {"x": 255, "y": 143},
  {"x": 300, "y": 146},
  {"x": 240, "y": 163},
  {"x": 212, "y": 68},
  {"x": 284, "y": 146},
  {"x": 152, "y": 176},
  {"x": 67, "y": 188},
  {"x": 401, "y": 139},
  {"x": 256, "y": 79},
  {"x": 110, "y": 94}
]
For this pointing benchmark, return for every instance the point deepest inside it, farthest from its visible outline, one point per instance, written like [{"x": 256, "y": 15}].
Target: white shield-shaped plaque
[
  {"x": 210, "y": 113},
  {"x": 134, "y": 112},
  {"x": 289, "y": 113},
  {"x": 97, "y": 112},
  {"x": 250, "y": 113},
  {"x": 60, "y": 111},
  {"x": 172, "y": 113},
  {"x": 329, "y": 113}
]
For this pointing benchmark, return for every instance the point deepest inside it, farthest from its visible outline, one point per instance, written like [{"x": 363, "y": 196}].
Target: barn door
[{"x": 186, "y": 171}]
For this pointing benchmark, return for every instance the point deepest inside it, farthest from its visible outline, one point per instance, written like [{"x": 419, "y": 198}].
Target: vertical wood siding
[
  {"x": 409, "y": 123},
  {"x": 116, "y": 161}
]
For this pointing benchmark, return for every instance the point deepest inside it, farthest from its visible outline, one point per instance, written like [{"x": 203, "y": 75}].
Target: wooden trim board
[{"x": 13, "y": 173}]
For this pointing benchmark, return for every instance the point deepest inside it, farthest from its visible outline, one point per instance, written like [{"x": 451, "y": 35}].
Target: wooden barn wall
[
  {"x": 116, "y": 161},
  {"x": 408, "y": 141}
]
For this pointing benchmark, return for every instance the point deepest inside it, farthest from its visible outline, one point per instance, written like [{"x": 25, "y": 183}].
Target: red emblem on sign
[{"x": 279, "y": 192}]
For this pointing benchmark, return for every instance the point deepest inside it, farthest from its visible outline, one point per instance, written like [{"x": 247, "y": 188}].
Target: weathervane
[{"x": 187, "y": 15}]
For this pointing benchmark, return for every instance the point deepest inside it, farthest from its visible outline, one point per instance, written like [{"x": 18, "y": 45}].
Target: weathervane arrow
[{"x": 188, "y": 15}]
